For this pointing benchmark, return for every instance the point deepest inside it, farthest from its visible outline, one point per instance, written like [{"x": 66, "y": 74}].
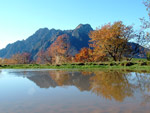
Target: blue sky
[{"x": 21, "y": 18}]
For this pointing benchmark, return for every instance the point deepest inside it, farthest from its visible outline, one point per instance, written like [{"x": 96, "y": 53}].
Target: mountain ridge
[{"x": 44, "y": 37}]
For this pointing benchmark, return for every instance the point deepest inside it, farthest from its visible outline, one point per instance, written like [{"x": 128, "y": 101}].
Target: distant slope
[{"x": 44, "y": 37}]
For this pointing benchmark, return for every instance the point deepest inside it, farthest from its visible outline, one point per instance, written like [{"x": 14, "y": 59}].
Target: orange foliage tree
[
  {"x": 7, "y": 61},
  {"x": 85, "y": 55},
  {"x": 23, "y": 58},
  {"x": 1, "y": 61},
  {"x": 43, "y": 57},
  {"x": 112, "y": 40},
  {"x": 59, "y": 50},
  {"x": 88, "y": 55}
]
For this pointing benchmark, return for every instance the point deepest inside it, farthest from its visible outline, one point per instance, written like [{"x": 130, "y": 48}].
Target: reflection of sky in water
[{"x": 52, "y": 91}]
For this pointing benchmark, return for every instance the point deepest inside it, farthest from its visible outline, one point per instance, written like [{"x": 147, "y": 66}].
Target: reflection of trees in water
[
  {"x": 111, "y": 85},
  {"x": 60, "y": 77},
  {"x": 108, "y": 84},
  {"x": 65, "y": 78},
  {"x": 119, "y": 85},
  {"x": 143, "y": 84}
]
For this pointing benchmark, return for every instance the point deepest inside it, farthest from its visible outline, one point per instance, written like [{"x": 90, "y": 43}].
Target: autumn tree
[
  {"x": 44, "y": 57},
  {"x": 85, "y": 55},
  {"x": 145, "y": 22},
  {"x": 25, "y": 58},
  {"x": 145, "y": 39},
  {"x": 112, "y": 40},
  {"x": 59, "y": 50},
  {"x": 57, "y": 53},
  {"x": 1, "y": 61},
  {"x": 143, "y": 34},
  {"x": 19, "y": 58}
]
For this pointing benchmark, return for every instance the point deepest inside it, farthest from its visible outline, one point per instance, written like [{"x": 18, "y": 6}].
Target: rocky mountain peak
[
  {"x": 84, "y": 27},
  {"x": 42, "y": 30}
]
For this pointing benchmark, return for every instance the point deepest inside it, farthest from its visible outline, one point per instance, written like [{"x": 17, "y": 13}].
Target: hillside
[{"x": 43, "y": 38}]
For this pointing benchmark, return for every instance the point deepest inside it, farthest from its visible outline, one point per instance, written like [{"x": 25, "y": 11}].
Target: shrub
[
  {"x": 81, "y": 64},
  {"x": 102, "y": 64},
  {"x": 112, "y": 64},
  {"x": 129, "y": 64},
  {"x": 58, "y": 65},
  {"x": 143, "y": 64}
]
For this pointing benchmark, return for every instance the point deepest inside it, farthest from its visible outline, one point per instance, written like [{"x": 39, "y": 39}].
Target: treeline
[{"x": 24, "y": 58}]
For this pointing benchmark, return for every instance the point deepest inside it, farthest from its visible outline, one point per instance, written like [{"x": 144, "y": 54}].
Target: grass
[{"x": 135, "y": 64}]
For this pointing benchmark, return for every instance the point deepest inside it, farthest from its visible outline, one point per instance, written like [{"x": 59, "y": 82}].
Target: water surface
[{"x": 60, "y": 91}]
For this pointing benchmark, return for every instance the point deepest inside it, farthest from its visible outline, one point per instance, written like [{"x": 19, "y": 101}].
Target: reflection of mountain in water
[
  {"x": 43, "y": 80},
  {"x": 46, "y": 79},
  {"x": 108, "y": 84},
  {"x": 60, "y": 78}
]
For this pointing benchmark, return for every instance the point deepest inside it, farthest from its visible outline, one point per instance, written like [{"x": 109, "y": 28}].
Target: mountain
[{"x": 43, "y": 38}]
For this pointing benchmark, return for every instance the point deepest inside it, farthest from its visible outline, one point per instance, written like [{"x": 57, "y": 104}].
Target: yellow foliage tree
[{"x": 112, "y": 40}]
